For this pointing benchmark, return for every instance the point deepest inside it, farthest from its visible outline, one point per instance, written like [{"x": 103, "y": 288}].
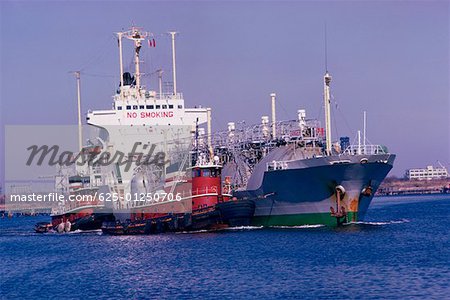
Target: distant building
[{"x": 427, "y": 173}]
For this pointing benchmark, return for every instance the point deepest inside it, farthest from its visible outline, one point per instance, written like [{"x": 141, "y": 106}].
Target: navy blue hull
[{"x": 292, "y": 192}]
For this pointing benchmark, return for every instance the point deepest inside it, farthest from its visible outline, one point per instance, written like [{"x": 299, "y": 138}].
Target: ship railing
[
  {"x": 169, "y": 96},
  {"x": 262, "y": 133},
  {"x": 69, "y": 205},
  {"x": 134, "y": 94},
  {"x": 206, "y": 190},
  {"x": 96, "y": 169},
  {"x": 277, "y": 165},
  {"x": 88, "y": 201},
  {"x": 364, "y": 150},
  {"x": 183, "y": 195},
  {"x": 197, "y": 192}
]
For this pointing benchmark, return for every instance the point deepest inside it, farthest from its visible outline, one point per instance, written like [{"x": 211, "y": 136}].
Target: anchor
[
  {"x": 340, "y": 213},
  {"x": 368, "y": 190}
]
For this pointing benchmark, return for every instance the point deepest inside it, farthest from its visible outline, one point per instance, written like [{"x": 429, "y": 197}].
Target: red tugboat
[
  {"x": 205, "y": 208},
  {"x": 81, "y": 209},
  {"x": 210, "y": 198},
  {"x": 81, "y": 215}
]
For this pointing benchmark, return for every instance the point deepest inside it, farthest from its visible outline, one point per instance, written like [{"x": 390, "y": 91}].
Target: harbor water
[{"x": 402, "y": 250}]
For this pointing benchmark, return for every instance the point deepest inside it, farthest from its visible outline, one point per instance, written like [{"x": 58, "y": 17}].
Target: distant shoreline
[
  {"x": 409, "y": 195},
  {"x": 400, "y": 187}
]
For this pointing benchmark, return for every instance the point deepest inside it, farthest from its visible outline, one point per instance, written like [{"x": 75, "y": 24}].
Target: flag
[{"x": 151, "y": 43}]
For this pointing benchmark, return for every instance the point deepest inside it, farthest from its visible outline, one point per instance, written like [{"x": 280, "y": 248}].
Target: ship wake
[
  {"x": 298, "y": 227},
  {"x": 374, "y": 223},
  {"x": 238, "y": 228}
]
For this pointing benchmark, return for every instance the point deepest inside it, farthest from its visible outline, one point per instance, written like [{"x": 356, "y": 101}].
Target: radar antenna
[{"x": 137, "y": 36}]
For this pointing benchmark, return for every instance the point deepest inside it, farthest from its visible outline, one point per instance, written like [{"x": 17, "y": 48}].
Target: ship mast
[
  {"x": 160, "y": 72},
  {"x": 174, "y": 70},
  {"x": 326, "y": 98},
  {"x": 364, "y": 132},
  {"x": 137, "y": 37},
  {"x": 80, "y": 133},
  {"x": 119, "y": 35},
  {"x": 274, "y": 118},
  {"x": 210, "y": 148}
]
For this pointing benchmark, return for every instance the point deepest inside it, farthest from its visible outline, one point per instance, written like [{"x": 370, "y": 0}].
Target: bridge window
[
  {"x": 164, "y": 106},
  {"x": 170, "y": 106},
  {"x": 196, "y": 173},
  {"x": 206, "y": 173},
  {"x": 150, "y": 106},
  {"x": 135, "y": 107},
  {"x": 119, "y": 107},
  {"x": 128, "y": 107},
  {"x": 180, "y": 106},
  {"x": 158, "y": 106},
  {"x": 141, "y": 107}
]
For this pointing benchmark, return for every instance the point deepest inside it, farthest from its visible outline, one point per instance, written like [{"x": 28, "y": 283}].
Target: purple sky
[{"x": 389, "y": 58}]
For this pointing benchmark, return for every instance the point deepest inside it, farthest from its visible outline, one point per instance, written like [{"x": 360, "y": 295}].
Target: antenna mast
[
  {"x": 174, "y": 70},
  {"x": 326, "y": 97},
  {"x": 160, "y": 72},
  {"x": 327, "y": 100},
  {"x": 364, "y": 132},
  {"x": 137, "y": 37},
  {"x": 326, "y": 49},
  {"x": 80, "y": 137},
  {"x": 210, "y": 148},
  {"x": 119, "y": 35}
]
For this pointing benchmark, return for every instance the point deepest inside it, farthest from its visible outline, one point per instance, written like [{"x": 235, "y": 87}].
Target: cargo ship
[
  {"x": 296, "y": 175},
  {"x": 278, "y": 173},
  {"x": 168, "y": 179}
]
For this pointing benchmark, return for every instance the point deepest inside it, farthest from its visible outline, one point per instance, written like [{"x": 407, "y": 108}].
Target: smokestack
[{"x": 273, "y": 95}]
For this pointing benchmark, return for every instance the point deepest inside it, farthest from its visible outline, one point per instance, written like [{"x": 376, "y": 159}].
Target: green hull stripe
[{"x": 302, "y": 219}]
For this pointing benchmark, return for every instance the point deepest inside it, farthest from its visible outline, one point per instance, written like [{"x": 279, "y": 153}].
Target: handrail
[
  {"x": 277, "y": 165},
  {"x": 364, "y": 149}
]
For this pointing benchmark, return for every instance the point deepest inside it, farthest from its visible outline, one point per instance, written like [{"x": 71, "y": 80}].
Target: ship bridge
[{"x": 147, "y": 109}]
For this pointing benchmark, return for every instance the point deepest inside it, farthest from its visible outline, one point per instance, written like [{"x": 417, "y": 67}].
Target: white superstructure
[
  {"x": 135, "y": 106},
  {"x": 144, "y": 117}
]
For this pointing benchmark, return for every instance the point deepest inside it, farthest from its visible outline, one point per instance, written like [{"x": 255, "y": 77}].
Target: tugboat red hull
[{"x": 85, "y": 219}]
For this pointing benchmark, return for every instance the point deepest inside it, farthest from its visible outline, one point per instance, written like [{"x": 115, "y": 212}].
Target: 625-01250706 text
[{"x": 102, "y": 197}]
